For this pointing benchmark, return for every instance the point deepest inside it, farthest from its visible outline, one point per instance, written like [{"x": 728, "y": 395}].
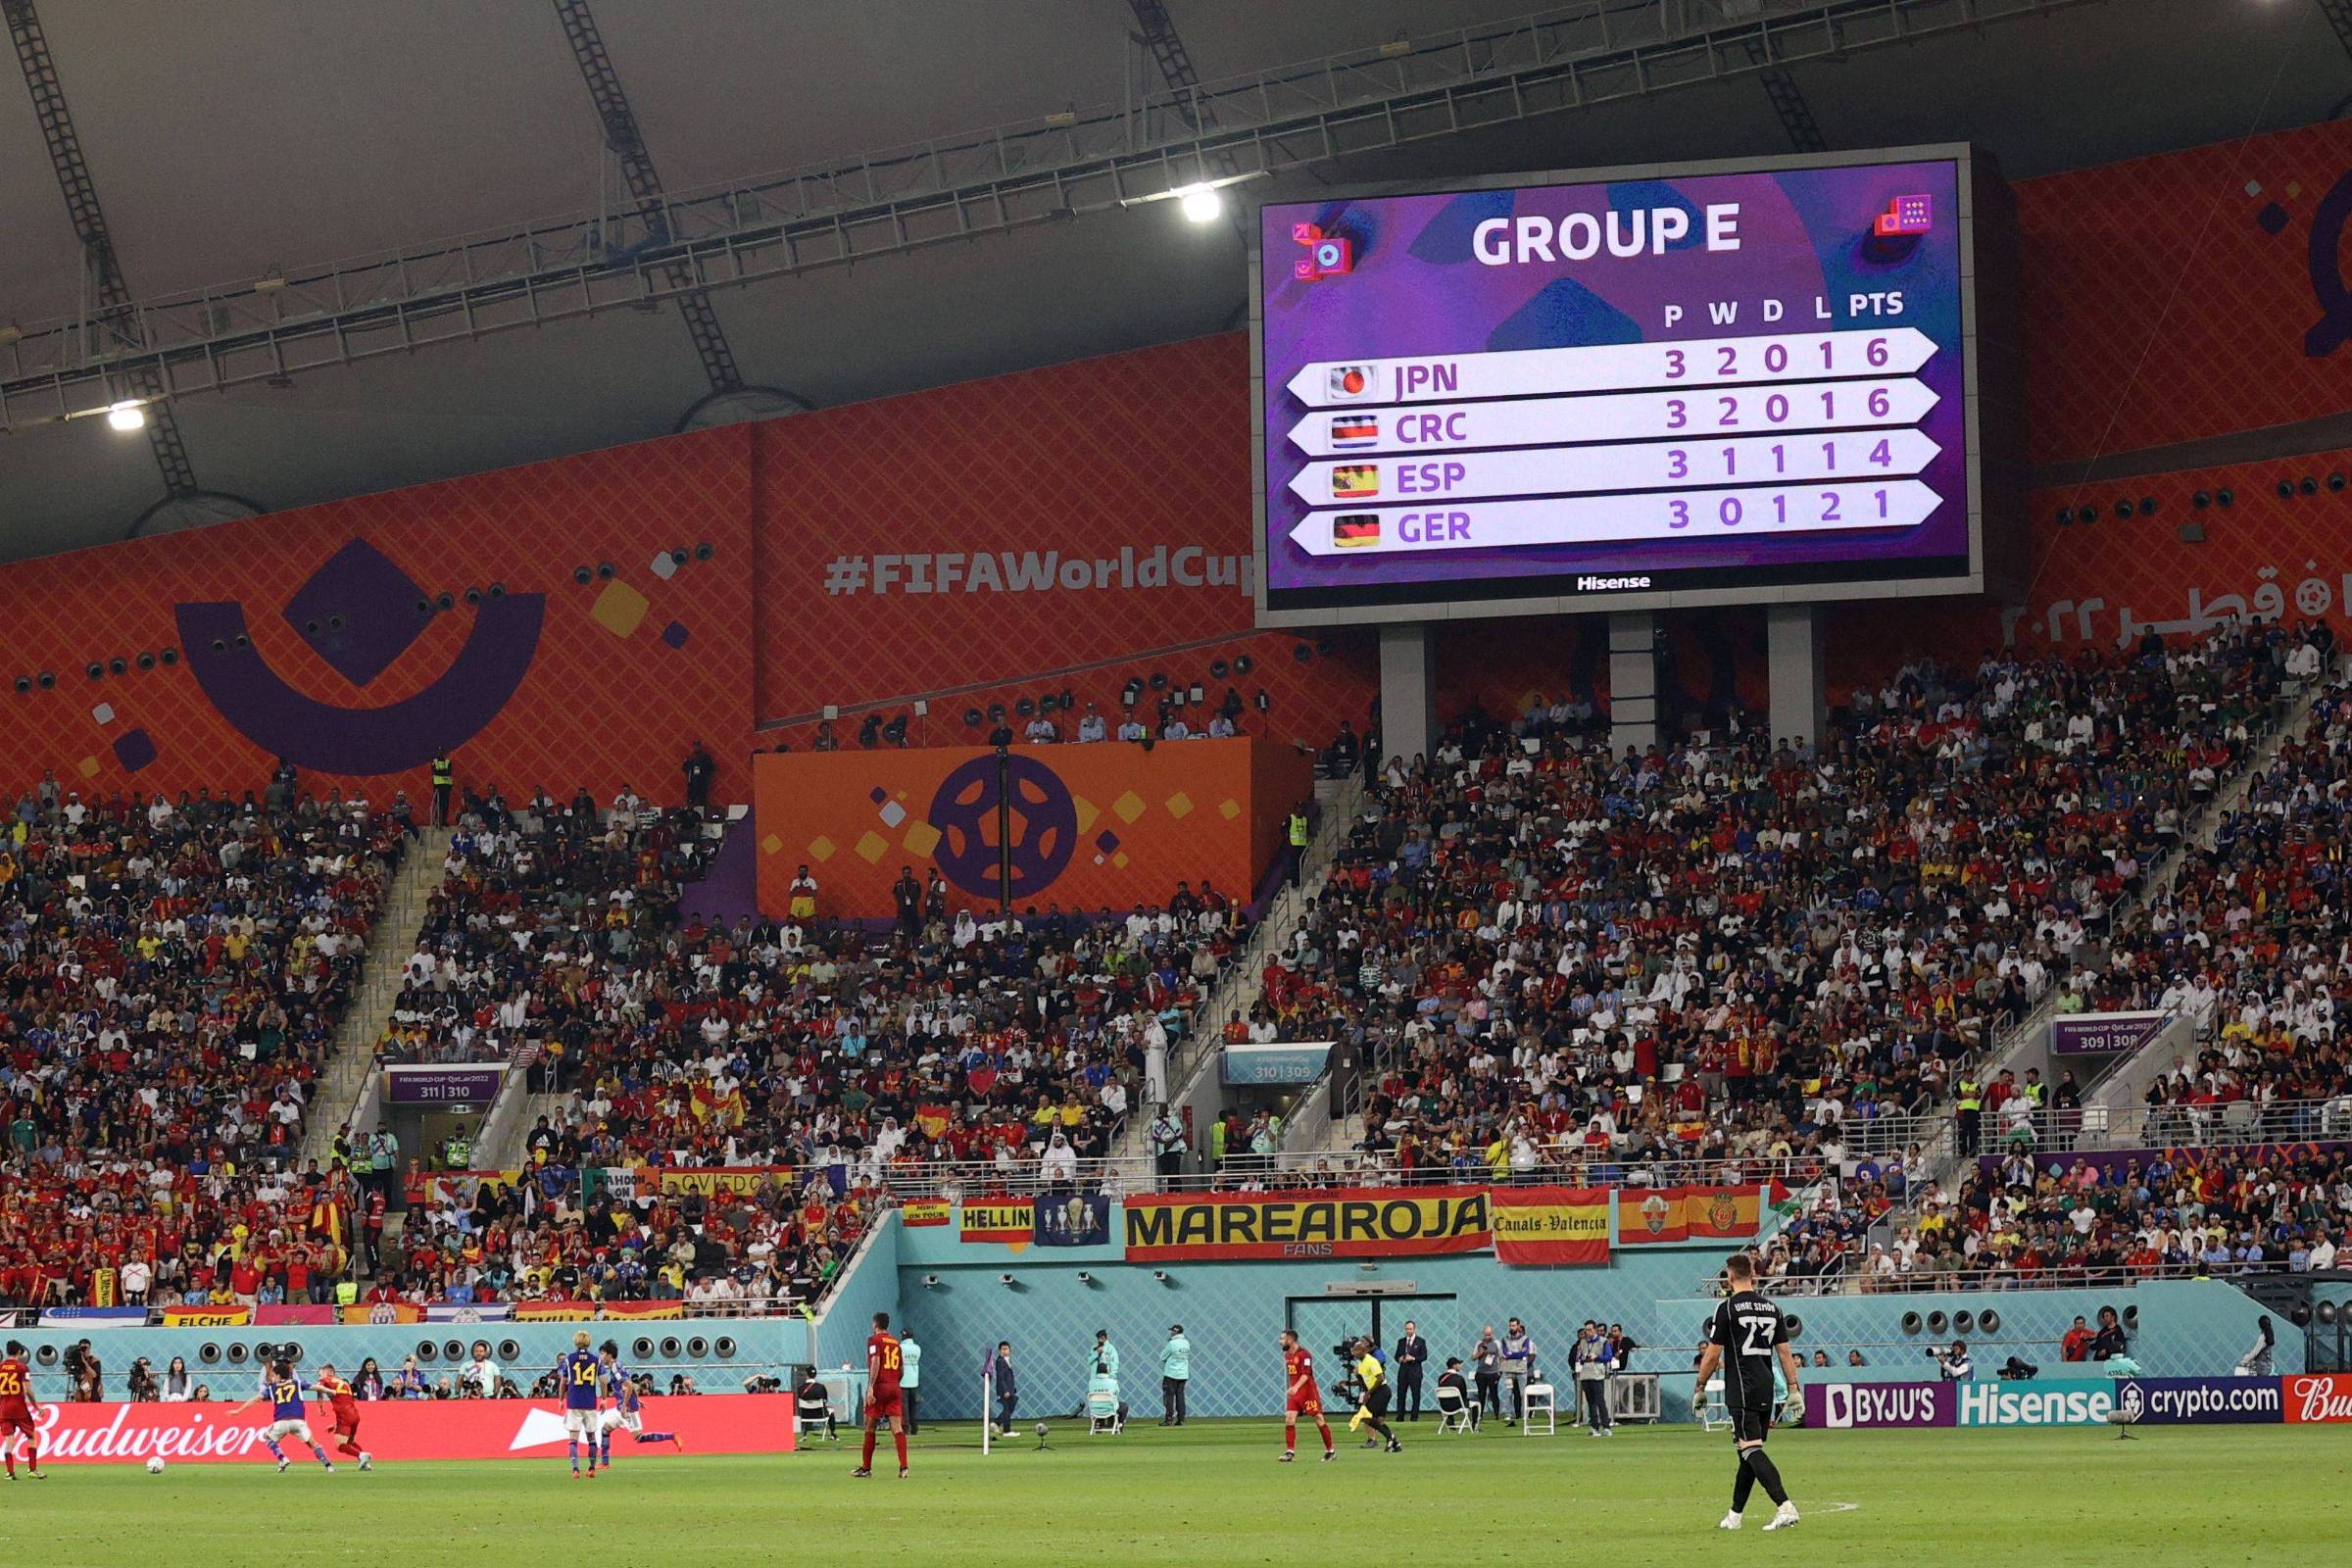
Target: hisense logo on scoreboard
[{"x": 1602, "y": 585}]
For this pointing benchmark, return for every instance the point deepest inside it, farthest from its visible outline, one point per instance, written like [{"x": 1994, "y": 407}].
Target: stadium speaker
[
  {"x": 2286, "y": 489},
  {"x": 146, "y": 660},
  {"x": 2307, "y": 485},
  {"x": 1910, "y": 1322},
  {"x": 2147, "y": 506},
  {"x": 2201, "y": 500},
  {"x": 698, "y": 1348},
  {"x": 263, "y": 1349},
  {"x": 24, "y": 684},
  {"x": 973, "y": 717},
  {"x": 1244, "y": 664},
  {"x": 2066, "y": 515},
  {"x": 45, "y": 679},
  {"x": 209, "y": 1352},
  {"x": 446, "y": 600},
  {"x": 117, "y": 666},
  {"x": 605, "y": 570},
  {"x": 1304, "y": 653},
  {"x": 46, "y": 1355},
  {"x": 1937, "y": 1322},
  {"x": 996, "y": 713},
  {"x": 2335, "y": 480},
  {"x": 169, "y": 657},
  {"x": 291, "y": 1351},
  {"x": 2225, "y": 496},
  {"x": 2327, "y": 1312},
  {"x": 1797, "y": 1326},
  {"x": 2300, "y": 1317},
  {"x": 1964, "y": 1322},
  {"x": 473, "y": 596},
  {"x": 2123, "y": 510},
  {"x": 671, "y": 1347},
  {"x": 1159, "y": 681},
  {"x": 2086, "y": 515},
  {"x": 1026, "y": 707},
  {"x": 1218, "y": 668},
  {"x": 426, "y": 1351},
  {"x": 1989, "y": 1321},
  {"x": 641, "y": 1348},
  {"x": 583, "y": 575},
  {"x": 677, "y": 557},
  {"x": 705, "y": 551},
  {"x": 238, "y": 1353},
  {"x": 95, "y": 671},
  {"x": 2131, "y": 1318},
  {"x": 509, "y": 1351},
  {"x": 454, "y": 1349},
  {"x": 724, "y": 1345}
]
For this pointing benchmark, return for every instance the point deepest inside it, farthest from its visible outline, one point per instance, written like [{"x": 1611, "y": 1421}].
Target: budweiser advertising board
[
  {"x": 2318, "y": 1396},
  {"x": 407, "y": 1429}
]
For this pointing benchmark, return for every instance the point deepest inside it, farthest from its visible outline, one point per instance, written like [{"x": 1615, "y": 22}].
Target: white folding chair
[
  {"x": 1539, "y": 1400},
  {"x": 1453, "y": 1410},
  {"x": 1713, "y": 1414},
  {"x": 1103, "y": 1415}
]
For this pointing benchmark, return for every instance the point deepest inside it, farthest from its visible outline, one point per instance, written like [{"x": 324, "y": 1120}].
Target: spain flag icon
[
  {"x": 1355, "y": 531},
  {"x": 1354, "y": 481}
]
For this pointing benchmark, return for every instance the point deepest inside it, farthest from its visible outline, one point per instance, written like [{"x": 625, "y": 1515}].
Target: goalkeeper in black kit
[{"x": 1746, "y": 1335}]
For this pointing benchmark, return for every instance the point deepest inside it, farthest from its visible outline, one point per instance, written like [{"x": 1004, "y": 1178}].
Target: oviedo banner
[
  {"x": 400, "y": 1430},
  {"x": 1689, "y": 1215},
  {"x": 1527, "y": 1225}
]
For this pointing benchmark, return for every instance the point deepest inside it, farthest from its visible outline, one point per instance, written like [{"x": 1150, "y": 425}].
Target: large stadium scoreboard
[{"x": 1710, "y": 384}]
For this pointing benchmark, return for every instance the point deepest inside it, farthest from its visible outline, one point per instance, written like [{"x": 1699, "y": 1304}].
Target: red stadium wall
[
  {"x": 1072, "y": 530},
  {"x": 1094, "y": 826},
  {"x": 573, "y": 649},
  {"x": 2194, "y": 294}
]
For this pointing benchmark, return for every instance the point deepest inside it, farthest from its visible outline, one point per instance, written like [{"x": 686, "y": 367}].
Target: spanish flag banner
[
  {"x": 206, "y": 1317},
  {"x": 1344, "y": 1222},
  {"x": 1552, "y": 1224},
  {"x": 925, "y": 1212},
  {"x": 1009, "y": 1220},
  {"x": 1674, "y": 1214}
]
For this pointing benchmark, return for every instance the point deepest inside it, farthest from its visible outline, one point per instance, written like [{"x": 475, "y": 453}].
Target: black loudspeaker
[
  {"x": 2131, "y": 1318},
  {"x": 426, "y": 1351},
  {"x": 291, "y": 1351},
  {"x": 454, "y": 1349},
  {"x": 2328, "y": 1313},
  {"x": 641, "y": 1348},
  {"x": 724, "y": 1345},
  {"x": 238, "y": 1353},
  {"x": 2225, "y": 496},
  {"x": 698, "y": 1348},
  {"x": 1964, "y": 1322},
  {"x": 1937, "y": 1322},
  {"x": 1797, "y": 1326},
  {"x": 1989, "y": 1321},
  {"x": 46, "y": 1355},
  {"x": 509, "y": 1351},
  {"x": 2201, "y": 500},
  {"x": 2300, "y": 1317},
  {"x": 1910, "y": 1323},
  {"x": 671, "y": 1347}
]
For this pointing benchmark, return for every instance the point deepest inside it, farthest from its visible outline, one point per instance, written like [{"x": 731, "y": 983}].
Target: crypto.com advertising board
[{"x": 1721, "y": 383}]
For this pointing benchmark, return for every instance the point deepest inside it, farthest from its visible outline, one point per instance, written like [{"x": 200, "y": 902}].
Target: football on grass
[{"x": 155, "y": 1464}]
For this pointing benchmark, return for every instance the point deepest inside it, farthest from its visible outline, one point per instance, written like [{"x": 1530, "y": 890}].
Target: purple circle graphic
[{"x": 1042, "y": 825}]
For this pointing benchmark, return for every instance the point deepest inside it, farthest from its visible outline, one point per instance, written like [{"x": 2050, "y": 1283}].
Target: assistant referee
[{"x": 1374, "y": 1411}]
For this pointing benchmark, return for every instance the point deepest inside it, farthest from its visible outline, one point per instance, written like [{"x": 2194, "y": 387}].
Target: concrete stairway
[{"x": 353, "y": 1058}]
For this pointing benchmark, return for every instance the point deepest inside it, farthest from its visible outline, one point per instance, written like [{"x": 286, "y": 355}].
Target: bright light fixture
[
  {"x": 1202, "y": 203},
  {"x": 128, "y": 414}
]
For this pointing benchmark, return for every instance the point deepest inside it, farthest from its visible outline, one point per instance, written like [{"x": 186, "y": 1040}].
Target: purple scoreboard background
[{"x": 1725, "y": 384}]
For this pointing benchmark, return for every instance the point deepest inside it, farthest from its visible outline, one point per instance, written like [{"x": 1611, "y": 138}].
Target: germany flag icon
[{"x": 1355, "y": 531}]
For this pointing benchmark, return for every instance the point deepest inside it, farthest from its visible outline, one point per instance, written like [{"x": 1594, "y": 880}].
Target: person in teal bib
[{"x": 1175, "y": 1371}]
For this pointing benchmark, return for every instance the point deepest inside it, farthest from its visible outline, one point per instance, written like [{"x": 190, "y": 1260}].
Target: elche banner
[
  {"x": 1522, "y": 1225},
  {"x": 398, "y": 1429},
  {"x": 1668, "y": 1215}
]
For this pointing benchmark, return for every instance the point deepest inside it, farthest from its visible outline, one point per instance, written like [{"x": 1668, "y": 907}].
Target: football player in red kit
[
  {"x": 345, "y": 1400},
  {"x": 884, "y": 1398},
  {"x": 1303, "y": 1398},
  {"x": 19, "y": 1409}
]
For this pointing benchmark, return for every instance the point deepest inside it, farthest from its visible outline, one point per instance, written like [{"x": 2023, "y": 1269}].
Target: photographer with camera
[{"x": 1953, "y": 1364}]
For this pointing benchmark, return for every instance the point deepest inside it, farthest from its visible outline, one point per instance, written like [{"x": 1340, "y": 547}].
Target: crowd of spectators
[{"x": 174, "y": 972}]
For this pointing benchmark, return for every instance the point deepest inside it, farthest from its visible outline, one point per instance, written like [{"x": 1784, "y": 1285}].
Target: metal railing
[
  {"x": 1305, "y": 1170},
  {"x": 2103, "y": 1129}
]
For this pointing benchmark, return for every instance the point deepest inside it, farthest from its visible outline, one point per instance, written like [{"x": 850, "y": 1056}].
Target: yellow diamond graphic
[
  {"x": 1229, "y": 810},
  {"x": 1120, "y": 860},
  {"x": 619, "y": 609},
  {"x": 772, "y": 844},
  {"x": 1129, "y": 807},
  {"x": 922, "y": 838},
  {"x": 1088, "y": 811},
  {"x": 872, "y": 847},
  {"x": 1179, "y": 806},
  {"x": 89, "y": 769},
  {"x": 822, "y": 847}
]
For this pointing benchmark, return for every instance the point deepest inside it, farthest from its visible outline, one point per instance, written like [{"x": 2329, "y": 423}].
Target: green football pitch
[{"x": 1212, "y": 1494}]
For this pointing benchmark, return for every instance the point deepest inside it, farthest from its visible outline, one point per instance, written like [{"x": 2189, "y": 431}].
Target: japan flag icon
[{"x": 1351, "y": 383}]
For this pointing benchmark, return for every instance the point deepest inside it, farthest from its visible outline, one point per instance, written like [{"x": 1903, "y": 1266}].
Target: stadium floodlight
[
  {"x": 1200, "y": 203},
  {"x": 1004, "y": 1279},
  {"x": 1160, "y": 1274},
  {"x": 1084, "y": 1278},
  {"x": 930, "y": 1282},
  {"x": 128, "y": 414}
]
